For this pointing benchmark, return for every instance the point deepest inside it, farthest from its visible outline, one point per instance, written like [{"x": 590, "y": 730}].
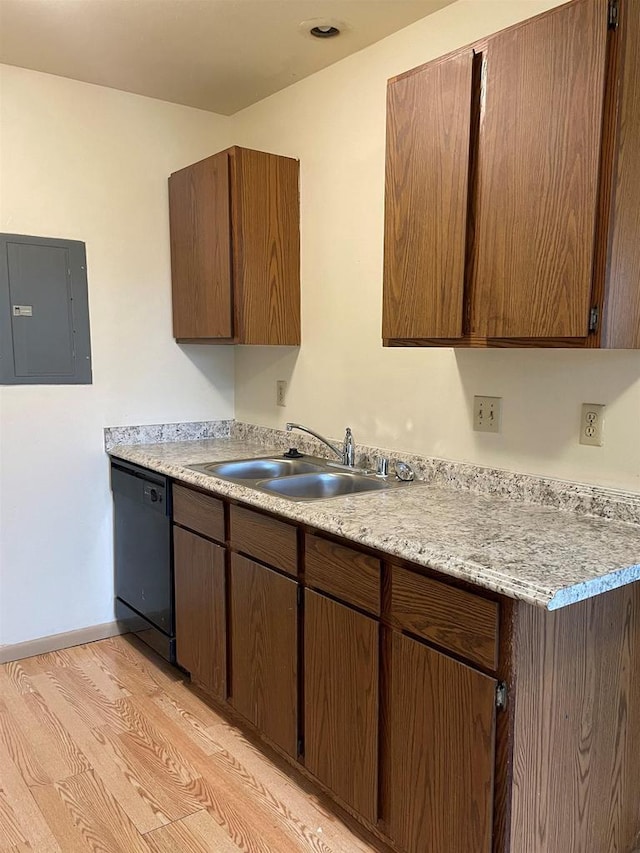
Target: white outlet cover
[{"x": 592, "y": 424}]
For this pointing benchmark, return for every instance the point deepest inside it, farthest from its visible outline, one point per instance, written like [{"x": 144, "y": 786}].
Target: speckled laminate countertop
[{"x": 547, "y": 557}]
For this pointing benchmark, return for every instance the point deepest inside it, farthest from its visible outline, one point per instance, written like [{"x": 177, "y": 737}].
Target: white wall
[
  {"x": 415, "y": 399},
  {"x": 89, "y": 163}
]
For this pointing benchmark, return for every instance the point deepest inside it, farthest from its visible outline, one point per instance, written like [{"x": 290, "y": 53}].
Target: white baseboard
[{"x": 53, "y": 643}]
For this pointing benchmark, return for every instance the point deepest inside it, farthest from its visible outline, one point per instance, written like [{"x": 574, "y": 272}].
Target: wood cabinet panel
[
  {"x": 343, "y": 572},
  {"x": 264, "y": 650},
  {"x": 459, "y": 621},
  {"x": 201, "y": 629},
  {"x": 427, "y": 165},
  {"x": 341, "y": 701},
  {"x": 442, "y": 720},
  {"x": 265, "y": 538},
  {"x": 200, "y": 512},
  {"x": 577, "y": 726},
  {"x": 622, "y": 312},
  {"x": 266, "y": 247},
  {"x": 200, "y": 229},
  {"x": 537, "y": 175}
]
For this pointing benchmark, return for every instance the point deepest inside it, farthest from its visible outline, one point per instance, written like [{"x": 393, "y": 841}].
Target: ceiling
[{"x": 218, "y": 55}]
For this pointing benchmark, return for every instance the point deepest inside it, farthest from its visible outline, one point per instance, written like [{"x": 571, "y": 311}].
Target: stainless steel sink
[
  {"x": 308, "y": 479},
  {"x": 322, "y": 484},
  {"x": 257, "y": 469}
]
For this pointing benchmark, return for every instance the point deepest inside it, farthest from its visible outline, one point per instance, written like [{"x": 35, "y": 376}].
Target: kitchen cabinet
[
  {"x": 264, "y": 650},
  {"x": 200, "y": 613},
  {"x": 200, "y": 584},
  {"x": 341, "y": 671},
  {"x": 439, "y": 715},
  {"x": 235, "y": 249},
  {"x": 510, "y": 170},
  {"x": 442, "y": 751}
]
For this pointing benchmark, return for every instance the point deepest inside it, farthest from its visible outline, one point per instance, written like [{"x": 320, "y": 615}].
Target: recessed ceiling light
[
  {"x": 320, "y": 28},
  {"x": 325, "y": 32}
]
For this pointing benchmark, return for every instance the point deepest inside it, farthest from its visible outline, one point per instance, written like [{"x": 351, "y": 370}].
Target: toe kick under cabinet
[{"x": 443, "y": 717}]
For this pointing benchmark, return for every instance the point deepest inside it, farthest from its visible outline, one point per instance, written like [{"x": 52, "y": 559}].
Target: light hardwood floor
[{"x": 103, "y": 747}]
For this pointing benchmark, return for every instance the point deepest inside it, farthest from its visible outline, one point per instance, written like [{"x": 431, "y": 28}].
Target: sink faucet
[{"x": 346, "y": 454}]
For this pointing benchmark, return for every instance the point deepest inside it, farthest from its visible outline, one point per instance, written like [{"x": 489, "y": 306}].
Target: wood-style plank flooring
[{"x": 103, "y": 747}]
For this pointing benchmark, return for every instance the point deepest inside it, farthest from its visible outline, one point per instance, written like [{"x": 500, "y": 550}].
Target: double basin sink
[{"x": 299, "y": 479}]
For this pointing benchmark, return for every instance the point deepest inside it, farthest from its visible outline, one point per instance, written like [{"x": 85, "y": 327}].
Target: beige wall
[
  {"x": 414, "y": 399},
  {"x": 89, "y": 163}
]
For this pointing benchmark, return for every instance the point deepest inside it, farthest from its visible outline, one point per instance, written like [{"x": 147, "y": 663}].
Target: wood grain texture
[
  {"x": 442, "y": 719},
  {"x": 341, "y": 701},
  {"x": 201, "y": 630},
  {"x": 577, "y": 727},
  {"x": 265, "y": 538},
  {"x": 538, "y": 170},
  {"x": 622, "y": 312},
  {"x": 200, "y": 229},
  {"x": 458, "y": 621},
  {"x": 199, "y": 512},
  {"x": 266, "y": 247},
  {"x": 343, "y": 572},
  {"x": 172, "y": 759},
  {"x": 427, "y": 163},
  {"x": 264, "y": 653},
  {"x": 476, "y": 341}
]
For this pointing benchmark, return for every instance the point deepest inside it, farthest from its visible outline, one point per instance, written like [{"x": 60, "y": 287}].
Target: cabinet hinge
[
  {"x": 614, "y": 14},
  {"x": 594, "y": 315},
  {"x": 501, "y": 695},
  {"x": 300, "y": 746}
]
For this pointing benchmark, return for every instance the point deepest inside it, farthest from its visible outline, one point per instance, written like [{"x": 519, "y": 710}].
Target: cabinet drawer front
[
  {"x": 456, "y": 620},
  {"x": 347, "y": 574},
  {"x": 273, "y": 542},
  {"x": 202, "y": 513}
]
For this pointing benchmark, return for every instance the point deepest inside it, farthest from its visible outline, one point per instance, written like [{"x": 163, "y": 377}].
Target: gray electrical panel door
[{"x": 44, "y": 312}]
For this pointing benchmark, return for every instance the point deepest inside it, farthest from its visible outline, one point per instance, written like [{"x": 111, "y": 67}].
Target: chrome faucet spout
[{"x": 346, "y": 453}]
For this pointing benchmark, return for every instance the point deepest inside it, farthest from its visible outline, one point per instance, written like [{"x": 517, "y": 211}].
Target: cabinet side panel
[
  {"x": 341, "y": 701},
  {"x": 264, "y": 650},
  {"x": 538, "y": 173},
  {"x": 576, "y": 762},
  {"x": 200, "y": 610},
  {"x": 266, "y": 247},
  {"x": 427, "y": 166},
  {"x": 200, "y": 249},
  {"x": 442, "y": 719},
  {"x": 622, "y": 314}
]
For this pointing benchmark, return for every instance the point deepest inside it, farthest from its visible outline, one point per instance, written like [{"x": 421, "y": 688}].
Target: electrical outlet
[
  {"x": 281, "y": 392},
  {"x": 487, "y": 414},
  {"x": 592, "y": 424}
]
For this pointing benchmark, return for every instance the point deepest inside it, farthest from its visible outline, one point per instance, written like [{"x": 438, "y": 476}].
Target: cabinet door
[
  {"x": 428, "y": 128},
  {"x": 264, "y": 650},
  {"x": 341, "y": 701},
  {"x": 537, "y": 175},
  {"x": 200, "y": 609},
  {"x": 441, "y": 763},
  {"x": 201, "y": 250}
]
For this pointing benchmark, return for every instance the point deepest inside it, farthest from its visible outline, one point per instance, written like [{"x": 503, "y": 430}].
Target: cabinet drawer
[
  {"x": 456, "y": 620},
  {"x": 273, "y": 542},
  {"x": 202, "y": 513},
  {"x": 347, "y": 574}
]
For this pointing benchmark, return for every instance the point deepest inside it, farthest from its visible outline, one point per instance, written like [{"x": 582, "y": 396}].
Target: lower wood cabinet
[
  {"x": 341, "y": 672},
  {"x": 201, "y": 631},
  {"x": 442, "y": 751},
  {"x": 264, "y": 650}
]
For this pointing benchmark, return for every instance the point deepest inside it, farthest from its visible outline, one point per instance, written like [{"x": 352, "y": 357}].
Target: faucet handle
[
  {"x": 383, "y": 466},
  {"x": 348, "y": 448}
]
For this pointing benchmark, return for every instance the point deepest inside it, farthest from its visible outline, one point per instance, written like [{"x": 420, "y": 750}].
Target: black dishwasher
[{"x": 143, "y": 555}]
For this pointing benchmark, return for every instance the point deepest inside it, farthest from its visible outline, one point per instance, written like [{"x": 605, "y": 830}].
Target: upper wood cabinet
[
  {"x": 512, "y": 186},
  {"x": 235, "y": 249}
]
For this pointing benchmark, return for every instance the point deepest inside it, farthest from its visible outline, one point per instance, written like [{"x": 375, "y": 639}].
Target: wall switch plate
[
  {"x": 592, "y": 424},
  {"x": 281, "y": 392},
  {"x": 487, "y": 414}
]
